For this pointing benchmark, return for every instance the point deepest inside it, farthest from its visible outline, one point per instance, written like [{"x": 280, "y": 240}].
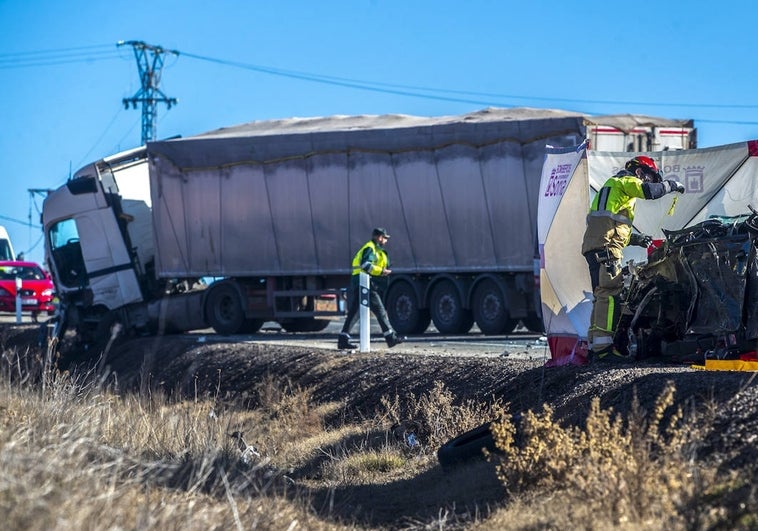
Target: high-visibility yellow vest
[
  {"x": 617, "y": 198},
  {"x": 370, "y": 258},
  {"x": 609, "y": 222}
]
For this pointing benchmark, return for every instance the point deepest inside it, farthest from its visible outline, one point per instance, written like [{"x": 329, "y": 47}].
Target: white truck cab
[
  {"x": 6, "y": 248},
  {"x": 86, "y": 231}
]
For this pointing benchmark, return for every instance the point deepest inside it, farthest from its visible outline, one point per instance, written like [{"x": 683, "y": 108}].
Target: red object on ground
[{"x": 566, "y": 350}]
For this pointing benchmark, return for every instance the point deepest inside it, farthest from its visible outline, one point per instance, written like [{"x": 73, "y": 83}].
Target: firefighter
[
  {"x": 608, "y": 232},
  {"x": 372, "y": 259}
]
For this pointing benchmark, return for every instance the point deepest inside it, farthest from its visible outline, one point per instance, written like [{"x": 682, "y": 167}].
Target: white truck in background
[
  {"x": 273, "y": 211},
  {"x": 6, "y": 247},
  {"x": 632, "y": 132}
]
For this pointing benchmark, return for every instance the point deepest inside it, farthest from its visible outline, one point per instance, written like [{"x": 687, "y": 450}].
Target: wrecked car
[{"x": 695, "y": 297}]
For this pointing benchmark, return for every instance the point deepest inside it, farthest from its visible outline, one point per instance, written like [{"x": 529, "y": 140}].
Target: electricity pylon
[{"x": 150, "y": 65}]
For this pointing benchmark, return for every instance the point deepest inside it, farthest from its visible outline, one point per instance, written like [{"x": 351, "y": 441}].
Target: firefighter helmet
[{"x": 647, "y": 165}]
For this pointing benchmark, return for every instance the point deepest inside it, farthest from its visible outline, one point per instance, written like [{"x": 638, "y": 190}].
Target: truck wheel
[
  {"x": 305, "y": 324},
  {"x": 251, "y": 326},
  {"x": 448, "y": 313},
  {"x": 490, "y": 312},
  {"x": 424, "y": 320},
  {"x": 223, "y": 309},
  {"x": 534, "y": 324},
  {"x": 403, "y": 310},
  {"x": 467, "y": 446},
  {"x": 466, "y": 323}
]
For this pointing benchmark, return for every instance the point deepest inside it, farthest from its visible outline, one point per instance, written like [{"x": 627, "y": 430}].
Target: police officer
[
  {"x": 372, "y": 259},
  {"x": 608, "y": 232}
]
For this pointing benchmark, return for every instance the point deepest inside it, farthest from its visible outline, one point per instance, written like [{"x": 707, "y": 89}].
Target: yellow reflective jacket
[
  {"x": 371, "y": 258},
  {"x": 609, "y": 222}
]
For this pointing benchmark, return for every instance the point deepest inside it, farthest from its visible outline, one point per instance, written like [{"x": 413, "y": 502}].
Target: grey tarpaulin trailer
[{"x": 298, "y": 197}]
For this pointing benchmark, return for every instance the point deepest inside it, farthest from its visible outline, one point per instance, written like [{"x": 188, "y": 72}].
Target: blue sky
[{"x": 63, "y": 77}]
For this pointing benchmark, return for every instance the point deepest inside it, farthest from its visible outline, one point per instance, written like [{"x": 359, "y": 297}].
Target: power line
[
  {"x": 401, "y": 89},
  {"x": 733, "y": 122},
  {"x": 102, "y": 135},
  {"x": 56, "y": 51},
  {"x": 57, "y": 57},
  {"x": 20, "y": 222},
  {"x": 100, "y": 52},
  {"x": 342, "y": 82},
  {"x": 34, "y": 245},
  {"x": 104, "y": 52},
  {"x": 405, "y": 90}
]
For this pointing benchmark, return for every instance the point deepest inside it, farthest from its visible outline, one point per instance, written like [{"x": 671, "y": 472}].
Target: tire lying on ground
[{"x": 467, "y": 446}]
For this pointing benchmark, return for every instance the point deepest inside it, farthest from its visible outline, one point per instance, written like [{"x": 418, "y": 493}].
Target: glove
[
  {"x": 640, "y": 240},
  {"x": 675, "y": 186}
]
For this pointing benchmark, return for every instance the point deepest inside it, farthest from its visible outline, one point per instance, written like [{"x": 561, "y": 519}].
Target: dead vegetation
[{"x": 80, "y": 450}]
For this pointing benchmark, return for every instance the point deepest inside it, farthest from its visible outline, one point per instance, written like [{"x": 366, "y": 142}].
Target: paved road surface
[{"x": 521, "y": 344}]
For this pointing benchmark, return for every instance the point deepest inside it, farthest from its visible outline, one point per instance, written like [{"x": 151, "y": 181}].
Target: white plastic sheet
[
  {"x": 719, "y": 181},
  {"x": 564, "y": 279}
]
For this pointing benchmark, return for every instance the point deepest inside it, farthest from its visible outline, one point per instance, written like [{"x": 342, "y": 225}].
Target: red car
[{"x": 37, "y": 289}]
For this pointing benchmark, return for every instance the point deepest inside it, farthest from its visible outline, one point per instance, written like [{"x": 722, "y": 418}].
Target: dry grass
[
  {"x": 77, "y": 455},
  {"x": 638, "y": 472},
  {"x": 438, "y": 416}
]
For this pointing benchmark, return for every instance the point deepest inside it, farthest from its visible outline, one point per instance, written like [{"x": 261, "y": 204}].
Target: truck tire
[
  {"x": 305, "y": 324},
  {"x": 402, "y": 307},
  {"x": 223, "y": 310},
  {"x": 467, "y": 322},
  {"x": 467, "y": 446},
  {"x": 251, "y": 326},
  {"x": 534, "y": 324},
  {"x": 490, "y": 312},
  {"x": 447, "y": 311},
  {"x": 424, "y": 320}
]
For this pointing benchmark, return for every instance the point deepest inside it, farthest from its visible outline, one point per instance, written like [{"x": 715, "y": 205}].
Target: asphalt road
[
  {"x": 521, "y": 344},
  {"x": 26, "y": 318}
]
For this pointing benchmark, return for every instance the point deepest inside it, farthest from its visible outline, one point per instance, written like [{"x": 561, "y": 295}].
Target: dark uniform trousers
[{"x": 375, "y": 303}]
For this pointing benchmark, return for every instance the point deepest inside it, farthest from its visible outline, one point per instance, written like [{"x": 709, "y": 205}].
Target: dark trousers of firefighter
[
  {"x": 607, "y": 283},
  {"x": 375, "y": 303}
]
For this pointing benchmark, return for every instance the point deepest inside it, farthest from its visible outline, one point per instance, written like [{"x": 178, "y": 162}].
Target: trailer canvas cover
[
  {"x": 719, "y": 181},
  {"x": 298, "y": 196}
]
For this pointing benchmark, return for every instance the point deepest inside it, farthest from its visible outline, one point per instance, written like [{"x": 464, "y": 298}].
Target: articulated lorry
[{"x": 259, "y": 222}]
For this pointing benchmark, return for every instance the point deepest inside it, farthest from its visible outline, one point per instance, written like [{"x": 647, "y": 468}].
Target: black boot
[
  {"x": 394, "y": 339},
  {"x": 343, "y": 343}
]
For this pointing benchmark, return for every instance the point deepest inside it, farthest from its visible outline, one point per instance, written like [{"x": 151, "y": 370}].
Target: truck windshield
[
  {"x": 5, "y": 250},
  {"x": 67, "y": 253}
]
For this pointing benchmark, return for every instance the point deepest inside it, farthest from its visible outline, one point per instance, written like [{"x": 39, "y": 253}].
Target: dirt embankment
[{"x": 231, "y": 370}]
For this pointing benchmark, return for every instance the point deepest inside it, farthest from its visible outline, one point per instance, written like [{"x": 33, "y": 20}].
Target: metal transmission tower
[{"x": 150, "y": 65}]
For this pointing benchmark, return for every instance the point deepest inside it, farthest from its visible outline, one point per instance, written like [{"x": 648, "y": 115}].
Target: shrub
[
  {"x": 436, "y": 417},
  {"x": 620, "y": 471}
]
